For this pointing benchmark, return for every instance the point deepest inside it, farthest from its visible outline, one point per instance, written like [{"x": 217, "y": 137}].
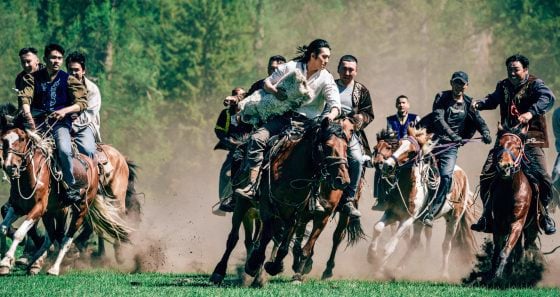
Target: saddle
[{"x": 105, "y": 167}]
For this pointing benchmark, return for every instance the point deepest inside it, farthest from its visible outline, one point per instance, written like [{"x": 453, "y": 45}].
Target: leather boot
[
  {"x": 484, "y": 224},
  {"x": 247, "y": 191},
  {"x": 546, "y": 222},
  {"x": 227, "y": 205}
]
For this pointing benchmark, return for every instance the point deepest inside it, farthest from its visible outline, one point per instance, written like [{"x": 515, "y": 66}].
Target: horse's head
[
  {"x": 417, "y": 144},
  {"x": 510, "y": 155},
  {"x": 387, "y": 143},
  {"x": 14, "y": 139},
  {"x": 333, "y": 139}
]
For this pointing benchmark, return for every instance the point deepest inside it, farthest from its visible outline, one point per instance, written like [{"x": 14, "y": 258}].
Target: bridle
[{"x": 516, "y": 159}]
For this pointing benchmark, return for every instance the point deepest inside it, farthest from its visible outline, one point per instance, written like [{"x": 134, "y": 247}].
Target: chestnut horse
[
  {"x": 297, "y": 170},
  {"x": 514, "y": 206},
  {"x": 117, "y": 177},
  {"x": 411, "y": 168},
  {"x": 28, "y": 160},
  {"x": 351, "y": 228}
]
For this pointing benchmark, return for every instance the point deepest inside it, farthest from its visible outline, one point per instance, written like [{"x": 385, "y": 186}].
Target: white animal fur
[{"x": 260, "y": 106}]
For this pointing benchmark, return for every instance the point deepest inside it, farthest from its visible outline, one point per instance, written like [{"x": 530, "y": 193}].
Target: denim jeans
[
  {"x": 63, "y": 141},
  {"x": 85, "y": 140},
  {"x": 355, "y": 160},
  {"x": 446, "y": 164}
]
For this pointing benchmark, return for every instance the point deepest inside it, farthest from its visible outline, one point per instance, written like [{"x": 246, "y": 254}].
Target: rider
[
  {"x": 398, "y": 123},
  {"x": 325, "y": 103},
  {"x": 356, "y": 104},
  {"x": 273, "y": 63},
  {"x": 455, "y": 121},
  {"x": 29, "y": 62},
  {"x": 53, "y": 91},
  {"x": 85, "y": 128},
  {"x": 523, "y": 99},
  {"x": 231, "y": 133}
]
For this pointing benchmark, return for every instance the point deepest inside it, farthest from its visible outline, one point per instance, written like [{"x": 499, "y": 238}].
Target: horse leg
[
  {"x": 9, "y": 219},
  {"x": 248, "y": 228},
  {"x": 241, "y": 208},
  {"x": 516, "y": 229},
  {"x": 428, "y": 235},
  {"x": 413, "y": 245},
  {"x": 8, "y": 261},
  {"x": 38, "y": 258},
  {"x": 77, "y": 219},
  {"x": 391, "y": 245},
  {"x": 277, "y": 265},
  {"x": 450, "y": 232},
  {"x": 338, "y": 235},
  {"x": 256, "y": 259},
  {"x": 298, "y": 240},
  {"x": 319, "y": 223},
  {"x": 386, "y": 220}
]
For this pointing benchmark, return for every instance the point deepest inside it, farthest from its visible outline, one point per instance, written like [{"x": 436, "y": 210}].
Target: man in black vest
[{"x": 523, "y": 98}]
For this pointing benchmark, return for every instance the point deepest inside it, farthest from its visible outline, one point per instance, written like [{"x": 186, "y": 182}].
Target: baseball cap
[{"x": 460, "y": 75}]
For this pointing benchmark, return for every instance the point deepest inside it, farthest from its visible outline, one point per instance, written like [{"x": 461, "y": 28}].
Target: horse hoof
[
  {"x": 297, "y": 279},
  {"x": 250, "y": 270},
  {"x": 4, "y": 270},
  {"x": 273, "y": 268},
  {"x": 53, "y": 271},
  {"x": 33, "y": 271},
  {"x": 326, "y": 275},
  {"x": 216, "y": 278},
  {"x": 22, "y": 261}
]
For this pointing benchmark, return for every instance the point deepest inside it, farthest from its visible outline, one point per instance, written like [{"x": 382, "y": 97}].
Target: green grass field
[{"x": 111, "y": 283}]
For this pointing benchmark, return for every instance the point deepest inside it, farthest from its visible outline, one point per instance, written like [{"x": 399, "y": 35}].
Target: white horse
[{"x": 409, "y": 199}]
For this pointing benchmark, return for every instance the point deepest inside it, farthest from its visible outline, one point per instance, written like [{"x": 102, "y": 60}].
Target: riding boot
[
  {"x": 484, "y": 224},
  {"x": 437, "y": 203},
  {"x": 546, "y": 222},
  {"x": 227, "y": 204},
  {"x": 247, "y": 190},
  {"x": 381, "y": 203}
]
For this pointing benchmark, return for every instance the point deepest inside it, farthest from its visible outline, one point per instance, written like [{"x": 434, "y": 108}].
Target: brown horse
[
  {"x": 28, "y": 161},
  {"x": 407, "y": 173},
  {"x": 297, "y": 170},
  {"x": 513, "y": 205},
  {"x": 117, "y": 177},
  {"x": 244, "y": 213},
  {"x": 345, "y": 227}
]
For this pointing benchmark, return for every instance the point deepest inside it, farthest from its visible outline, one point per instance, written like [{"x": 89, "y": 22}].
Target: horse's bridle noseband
[{"x": 516, "y": 159}]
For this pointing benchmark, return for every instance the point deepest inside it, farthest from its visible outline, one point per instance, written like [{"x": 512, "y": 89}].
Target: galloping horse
[
  {"x": 244, "y": 212},
  {"x": 28, "y": 161},
  {"x": 345, "y": 227},
  {"x": 297, "y": 170},
  {"x": 407, "y": 173},
  {"x": 117, "y": 185},
  {"x": 513, "y": 202}
]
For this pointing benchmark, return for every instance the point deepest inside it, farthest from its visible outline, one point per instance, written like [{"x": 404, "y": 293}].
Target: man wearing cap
[
  {"x": 454, "y": 121},
  {"x": 523, "y": 99}
]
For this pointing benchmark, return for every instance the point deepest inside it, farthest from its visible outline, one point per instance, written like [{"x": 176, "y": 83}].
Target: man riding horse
[
  {"x": 53, "y": 92},
  {"x": 454, "y": 121},
  {"x": 523, "y": 99},
  {"x": 324, "y": 102}
]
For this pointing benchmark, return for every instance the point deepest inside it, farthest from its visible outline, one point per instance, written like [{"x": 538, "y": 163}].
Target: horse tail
[
  {"x": 354, "y": 231},
  {"x": 106, "y": 221},
  {"x": 132, "y": 203},
  {"x": 464, "y": 238}
]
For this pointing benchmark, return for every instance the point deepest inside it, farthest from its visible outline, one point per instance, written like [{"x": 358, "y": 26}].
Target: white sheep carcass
[{"x": 260, "y": 106}]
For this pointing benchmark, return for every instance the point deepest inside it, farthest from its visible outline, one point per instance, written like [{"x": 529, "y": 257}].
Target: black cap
[{"x": 460, "y": 75}]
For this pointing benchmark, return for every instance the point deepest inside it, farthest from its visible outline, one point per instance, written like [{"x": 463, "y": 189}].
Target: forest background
[{"x": 164, "y": 67}]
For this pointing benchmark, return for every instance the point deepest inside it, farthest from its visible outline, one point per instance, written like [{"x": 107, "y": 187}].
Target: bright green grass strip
[{"x": 110, "y": 283}]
